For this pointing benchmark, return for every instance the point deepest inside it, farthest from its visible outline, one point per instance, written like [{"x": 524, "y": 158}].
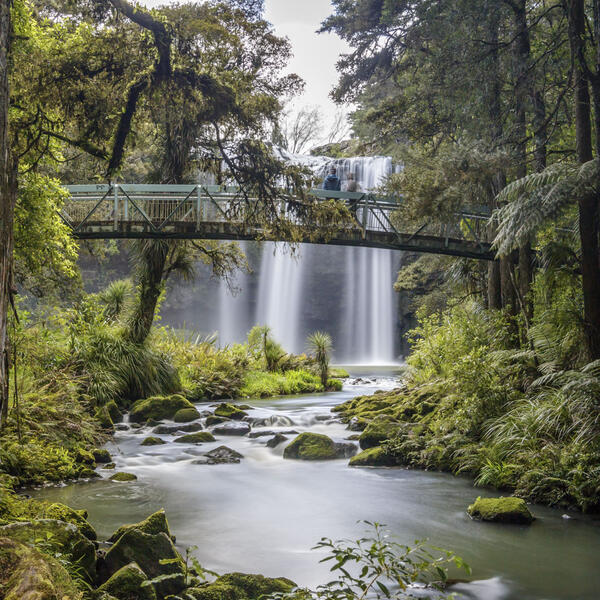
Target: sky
[{"x": 315, "y": 55}]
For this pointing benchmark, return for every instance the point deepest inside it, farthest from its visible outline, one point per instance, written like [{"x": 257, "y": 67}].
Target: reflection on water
[{"x": 265, "y": 514}]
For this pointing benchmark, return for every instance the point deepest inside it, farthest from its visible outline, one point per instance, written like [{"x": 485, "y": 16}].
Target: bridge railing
[{"x": 113, "y": 210}]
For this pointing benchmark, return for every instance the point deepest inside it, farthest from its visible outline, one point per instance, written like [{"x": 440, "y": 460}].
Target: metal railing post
[
  {"x": 365, "y": 216},
  {"x": 116, "y": 206},
  {"x": 198, "y": 207}
]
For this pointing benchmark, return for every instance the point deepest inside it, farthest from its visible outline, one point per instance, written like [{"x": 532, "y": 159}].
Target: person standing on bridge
[
  {"x": 332, "y": 181},
  {"x": 352, "y": 184}
]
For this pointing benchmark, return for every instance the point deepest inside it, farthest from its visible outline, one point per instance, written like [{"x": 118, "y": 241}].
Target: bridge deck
[{"x": 128, "y": 211}]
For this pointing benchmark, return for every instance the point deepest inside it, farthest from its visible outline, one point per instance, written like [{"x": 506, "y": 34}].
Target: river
[{"x": 264, "y": 514}]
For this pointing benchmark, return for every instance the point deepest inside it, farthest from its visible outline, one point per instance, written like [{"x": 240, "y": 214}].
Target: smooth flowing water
[{"x": 264, "y": 514}]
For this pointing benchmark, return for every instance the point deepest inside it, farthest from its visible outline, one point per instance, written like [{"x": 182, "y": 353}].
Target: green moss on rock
[
  {"x": 113, "y": 411},
  {"x": 158, "y": 407},
  {"x": 102, "y": 415},
  {"x": 62, "y": 512},
  {"x": 242, "y": 586},
  {"x": 153, "y": 441},
  {"x": 88, "y": 473},
  {"x": 229, "y": 411},
  {"x": 214, "y": 420},
  {"x": 126, "y": 584},
  {"x": 501, "y": 510},
  {"x": 311, "y": 446},
  {"x": 122, "y": 476},
  {"x": 373, "y": 457},
  {"x": 101, "y": 455},
  {"x": 377, "y": 431},
  {"x": 199, "y": 437},
  {"x": 185, "y": 415},
  {"x": 152, "y": 525}
]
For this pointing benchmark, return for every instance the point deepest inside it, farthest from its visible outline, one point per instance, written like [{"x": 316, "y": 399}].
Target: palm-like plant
[
  {"x": 320, "y": 345},
  {"x": 116, "y": 298}
]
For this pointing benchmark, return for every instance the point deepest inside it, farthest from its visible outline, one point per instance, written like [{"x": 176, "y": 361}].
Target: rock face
[
  {"x": 26, "y": 574},
  {"x": 169, "y": 429},
  {"x": 158, "y": 407},
  {"x": 196, "y": 438},
  {"x": 61, "y": 537},
  {"x": 232, "y": 428},
  {"x": 377, "y": 431},
  {"x": 277, "y": 439},
  {"x": 122, "y": 476},
  {"x": 229, "y": 411},
  {"x": 501, "y": 510},
  {"x": 147, "y": 551},
  {"x": 153, "y": 441},
  {"x": 219, "y": 456},
  {"x": 373, "y": 457},
  {"x": 185, "y": 415},
  {"x": 316, "y": 446},
  {"x": 154, "y": 524},
  {"x": 242, "y": 586},
  {"x": 126, "y": 584},
  {"x": 62, "y": 512}
]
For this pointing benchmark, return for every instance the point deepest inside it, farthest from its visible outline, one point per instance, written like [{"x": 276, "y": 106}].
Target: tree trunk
[
  {"x": 589, "y": 218},
  {"x": 494, "y": 292},
  {"x": 8, "y": 194}
]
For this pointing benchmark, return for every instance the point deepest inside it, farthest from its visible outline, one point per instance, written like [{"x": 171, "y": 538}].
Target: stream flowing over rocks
[{"x": 248, "y": 509}]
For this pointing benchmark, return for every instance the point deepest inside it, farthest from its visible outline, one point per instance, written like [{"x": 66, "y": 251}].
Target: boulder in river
[
  {"x": 170, "y": 429},
  {"x": 155, "y": 523},
  {"x": 373, "y": 457},
  {"x": 377, "y": 431},
  {"x": 214, "y": 420},
  {"x": 62, "y": 512},
  {"x": 501, "y": 510},
  {"x": 127, "y": 584},
  {"x": 270, "y": 432},
  {"x": 186, "y": 415},
  {"x": 101, "y": 455},
  {"x": 199, "y": 437},
  {"x": 122, "y": 476},
  {"x": 153, "y": 441},
  {"x": 314, "y": 446},
  {"x": 154, "y": 554},
  {"x": 232, "y": 428},
  {"x": 277, "y": 439},
  {"x": 158, "y": 407},
  {"x": 229, "y": 411},
  {"x": 61, "y": 537},
  {"x": 242, "y": 586},
  {"x": 219, "y": 456}
]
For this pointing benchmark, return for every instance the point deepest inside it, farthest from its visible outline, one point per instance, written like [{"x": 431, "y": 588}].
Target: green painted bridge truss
[{"x": 129, "y": 211}]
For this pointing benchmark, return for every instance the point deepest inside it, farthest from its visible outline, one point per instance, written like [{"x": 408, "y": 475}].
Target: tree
[
  {"x": 299, "y": 130},
  {"x": 320, "y": 344}
]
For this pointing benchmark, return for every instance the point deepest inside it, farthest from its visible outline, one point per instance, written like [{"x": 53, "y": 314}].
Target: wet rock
[
  {"x": 126, "y": 584},
  {"x": 242, "y": 586},
  {"x": 152, "y": 525},
  {"x": 87, "y": 473},
  {"x": 353, "y": 438},
  {"x": 219, "y": 456},
  {"x": 101, "y": 455},
  {"x": 136, "y": 426},
  {"x": 373, "y": 457},
  {"x": 314, "y": 446},
  {"x": 62, "y": 512},
  {"x": 170, "y": 429},
  {"x": 277, "y": 439},
  {"x": 113, "y": 410},
  {"x": 323, "y": 418},
  {"x": 61, "y": 537},
  {"x": 102, "y": 415},
  {"x": 154, "y": 554},
  {"x": 122, "y": 476},
  {"x": 152, "y": 441},
  {"x": 269, "y": 432},
  {"x": 229, "y": 411},
  {"x": 122, "y": 427},
  {"x": 274, "y": 420},
  {"x": 501, "y": 510},
  {"x": 232, "y": 428},
  {"x": 158, "y": 407},
  {"x": 185, "y": 415},
  {"x": 200, "y": 437},
  {"x": 153, "y": 422},
  {"x": 109, "y": 466},
  {"x": 85, "y": 458},
  {"x": 214, "y": 420},
  {"x": 377, "y": 431}
]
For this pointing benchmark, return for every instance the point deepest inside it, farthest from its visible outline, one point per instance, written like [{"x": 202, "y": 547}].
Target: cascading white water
[{"x": 364, "y": 327}]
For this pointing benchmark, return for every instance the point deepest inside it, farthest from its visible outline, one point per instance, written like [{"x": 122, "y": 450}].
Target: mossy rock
[
  {"x": 377, "y": 431},
  {"x": 122, "y": 476},
  {"x": 113, "y": 410},
  {"x": 154, "y": 554},
  {"x": 334, "y": 385},
  {"x": 242, "y": 586},
  {"x": 171, "y": 429},
  {"x": 152, "y": 525},
  {"x": 158, "y": 407},
  {"x": 109, "y": 466},
  {"x": 61, "y": 537},
  {"x": 85, "y": 457},
  {"x": 186, "y": 415},
  {"x": 199, "y": 437},
  {"x": 27, "y": 574},
  {"x": 501, "y": 510},
  {"x": 101, "y": 455},
  {"x": 311, "y": 446},
  {"x": 373, "y": 457},
  {"x": 62, "y": 512},
  {"x": 214, "y": 420},
  {"x": 87, "y": 473},
  {"x": 229, "y": 411},
  {"x": 102, "y": 415},
  {"x": 153, "y": 441},
  {"x": 126, "y": 584},
  {"x": 338, "y": 373}
]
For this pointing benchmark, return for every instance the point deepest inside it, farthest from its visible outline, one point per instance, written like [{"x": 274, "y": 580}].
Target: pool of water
[{"x": 265, "y": 514}]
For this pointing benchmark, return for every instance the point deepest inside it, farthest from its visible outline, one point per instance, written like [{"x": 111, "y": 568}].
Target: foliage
[
  {"x": 321, "y": 345},
  {"x": 258, "y": 384}
]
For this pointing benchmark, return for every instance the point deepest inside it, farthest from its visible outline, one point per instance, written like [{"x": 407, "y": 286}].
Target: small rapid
[{"x": 265, "y": 514}]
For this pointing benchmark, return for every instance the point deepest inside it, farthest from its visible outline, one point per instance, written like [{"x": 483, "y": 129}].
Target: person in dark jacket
[{"x": 332, "y": 181}]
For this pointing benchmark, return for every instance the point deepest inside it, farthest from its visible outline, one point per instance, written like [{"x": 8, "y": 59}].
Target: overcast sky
[{"x": 315, "y": 54}]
